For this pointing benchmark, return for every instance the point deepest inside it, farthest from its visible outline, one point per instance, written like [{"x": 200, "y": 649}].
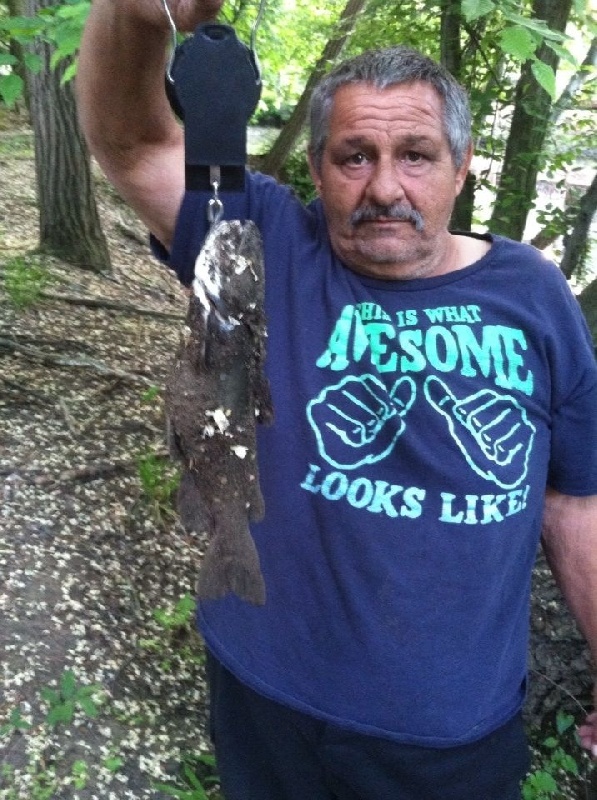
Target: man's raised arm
[{"x": 123, "y": 108}]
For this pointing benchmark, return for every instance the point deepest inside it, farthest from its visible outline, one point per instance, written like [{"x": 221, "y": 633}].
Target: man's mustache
[{"x": 397, "y": 211}]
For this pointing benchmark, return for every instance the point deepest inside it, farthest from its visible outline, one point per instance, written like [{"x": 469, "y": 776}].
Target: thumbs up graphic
[
  {"x": 357, "y": 421},
  {"x": 492, "y": 431}
]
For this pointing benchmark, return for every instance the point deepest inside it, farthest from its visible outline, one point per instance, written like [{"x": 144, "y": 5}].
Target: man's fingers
[{"x": 587, "y": 734}]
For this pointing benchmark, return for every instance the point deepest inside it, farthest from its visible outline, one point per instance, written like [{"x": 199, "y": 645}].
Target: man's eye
[
  {"x": 356, "y": 159},
  {"x": 413, "y": 157}
]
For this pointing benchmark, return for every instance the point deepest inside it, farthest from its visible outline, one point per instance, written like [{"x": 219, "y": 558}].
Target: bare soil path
[{"x": 87, "y": 555}]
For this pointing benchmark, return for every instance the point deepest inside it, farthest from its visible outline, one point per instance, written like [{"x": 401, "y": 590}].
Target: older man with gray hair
[{"x": 435, "y": 401}]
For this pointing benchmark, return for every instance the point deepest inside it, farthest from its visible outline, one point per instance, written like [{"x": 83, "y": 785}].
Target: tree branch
[
  {"x": 97, "y": 302},
  {"x": 576, "y": 82},
  {"x": 84, "y": 362}
]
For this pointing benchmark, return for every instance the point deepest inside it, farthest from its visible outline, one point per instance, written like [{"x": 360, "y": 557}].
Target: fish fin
[{"x": 238, "y": 571}]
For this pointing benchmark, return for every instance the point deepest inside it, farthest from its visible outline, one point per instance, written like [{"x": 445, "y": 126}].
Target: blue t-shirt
[{"x": 417, "y": 423}]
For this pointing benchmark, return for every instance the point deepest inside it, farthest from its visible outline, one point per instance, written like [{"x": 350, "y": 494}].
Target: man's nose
[{"x": 385, "y": 186}]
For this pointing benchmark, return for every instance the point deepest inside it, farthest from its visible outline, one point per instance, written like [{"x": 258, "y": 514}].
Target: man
[{"x": 434, "y": 398}]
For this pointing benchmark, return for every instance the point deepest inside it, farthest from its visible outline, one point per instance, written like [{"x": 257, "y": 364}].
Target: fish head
[{"x": 229, "y": 270}]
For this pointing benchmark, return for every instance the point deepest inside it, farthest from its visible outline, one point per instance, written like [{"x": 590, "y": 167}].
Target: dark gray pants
[{"x": 266, "y": 751}]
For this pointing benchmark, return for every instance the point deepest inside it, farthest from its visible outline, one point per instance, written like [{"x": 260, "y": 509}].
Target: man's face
[{"x": 388, "y": 181}]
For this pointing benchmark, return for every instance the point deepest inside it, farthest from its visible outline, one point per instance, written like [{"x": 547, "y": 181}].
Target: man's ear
[{"x": 314, "y": 172}]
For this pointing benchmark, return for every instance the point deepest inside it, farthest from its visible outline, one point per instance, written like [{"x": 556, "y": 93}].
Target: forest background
[{"x": 66, "y": 241}]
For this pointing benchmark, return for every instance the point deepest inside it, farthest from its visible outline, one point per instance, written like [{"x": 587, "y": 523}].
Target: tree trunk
[
  {"x": 450, "y": 47},
  {"x": 15, "y": 9},
  {"x": 68, "y": 218},
  {"x": 273, "y": 161},
  {"x": 464, "y": 207},
  {"x": 588, "y": 302},
  {"x": 530, "y": 123},
  {"x": 576, "y": 242},
  {"x": 451, "y": 59}
]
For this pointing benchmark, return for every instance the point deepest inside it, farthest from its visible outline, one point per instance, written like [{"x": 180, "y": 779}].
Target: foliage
[
  {"x": 296, "y": 173},
  {"x": 25, "y": 281},
  {"x": 151, "y": 394},
  {"x": 65, "y": 701},
  {"x": 62, "y": 705},
  {"x": 15, "y": 723},
  {"x": 521, "y": 36},
  {"x": 180, "y": 617},
  {"x": 555, "y": 765},
  {"x": 179, "y": 638},
  {"x": 159, "y": 480},
  {"x": 197, "y": 773},
  {"x": 289, "y": 41},
  {"x": 63, "y": 28},
  {"x": 158, "y": 475},
  {"x": 60, "y": 25}
]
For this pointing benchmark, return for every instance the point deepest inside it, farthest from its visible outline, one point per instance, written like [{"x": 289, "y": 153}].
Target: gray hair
[{"x": 384, "y": 68}]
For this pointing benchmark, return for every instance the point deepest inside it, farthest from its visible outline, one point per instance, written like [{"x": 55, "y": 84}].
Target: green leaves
[
  {"x": 194, "y": 784},
  {"x": 545, "y": 77},
  {"x": 23, "y": 29},
  {"x": 518, "y": 42},
  {"x": 539, "y": 785},
  {"x": 64, "y": 29},
  {"x": 11, "y": 88},
  {"x": 521, "y": 37},
  {"x": 180, "y": 617},
  {"x": 15, "y": 723},
  {"x": 473, "y": 9},
  {"x": 60, "y": 25},
  {"x": 555, "y": 763},
  {"x": 64, "y": 701},
  {"x": 564, "y": 722}
]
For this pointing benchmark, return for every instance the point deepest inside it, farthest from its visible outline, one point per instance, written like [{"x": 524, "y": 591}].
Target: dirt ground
[{"x": 89, "y": 551}]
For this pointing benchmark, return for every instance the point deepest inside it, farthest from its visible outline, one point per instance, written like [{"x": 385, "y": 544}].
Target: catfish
[{"x": 216, "y": 394}]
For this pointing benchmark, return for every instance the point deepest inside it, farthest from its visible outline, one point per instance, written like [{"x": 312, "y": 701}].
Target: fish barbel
[{"x": 215, "y": 395}]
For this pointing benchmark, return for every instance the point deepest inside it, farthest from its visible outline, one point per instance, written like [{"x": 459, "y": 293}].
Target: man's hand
[{"x": 588, "y": 731}]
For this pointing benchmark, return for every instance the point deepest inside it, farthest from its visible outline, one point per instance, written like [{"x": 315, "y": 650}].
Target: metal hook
[
  {"x": 174, "y": 40},
  {"x": 253, "y": 39},
  {"x": 215, "y": 207}
]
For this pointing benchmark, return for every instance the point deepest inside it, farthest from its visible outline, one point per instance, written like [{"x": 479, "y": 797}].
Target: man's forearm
[
  {"x": 120, "y": 81},
  {"x": 570, "y": 544},
  {"x": 124, "y": 111}
]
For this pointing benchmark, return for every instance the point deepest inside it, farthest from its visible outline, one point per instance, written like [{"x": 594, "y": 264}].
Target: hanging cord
[
  {"x": 253, "y": 39},
  {"x": 174, "y": 41},
  {"x": 215, "y": 207}
]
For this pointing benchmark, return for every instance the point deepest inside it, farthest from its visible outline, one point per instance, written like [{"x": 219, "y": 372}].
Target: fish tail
[{"x": 238, "y": 571}]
